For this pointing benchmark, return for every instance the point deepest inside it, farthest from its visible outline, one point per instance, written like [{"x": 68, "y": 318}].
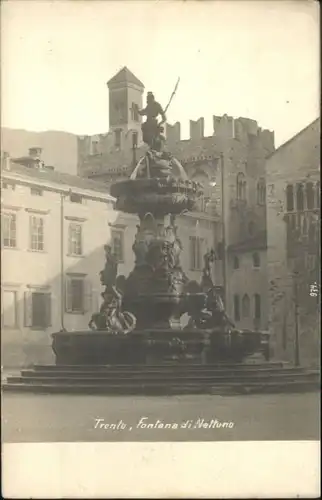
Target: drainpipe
[
  {"x": 62, "y": 278},
  {"x": 297, "y": 336}
]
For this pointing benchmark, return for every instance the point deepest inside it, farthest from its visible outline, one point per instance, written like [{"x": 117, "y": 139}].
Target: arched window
[
  {"x": 261, "y": 192},
  {"x": 289, "y": 198},
  {"x": 256, "y": 260},
  {"x": 299, "y": 197},
  {"x": 245, "y": 306},
  {"x": 236, "y": 262},
  {"x": 312, "y": 232},
  {"x": 309, "y": 196},
  {"x": 236, "y": 308},
  {"x": 241, "y": 187},
  {"x": 257, "y": 306}
]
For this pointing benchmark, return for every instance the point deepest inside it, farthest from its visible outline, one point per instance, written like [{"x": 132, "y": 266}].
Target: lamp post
[
  {"x": 62, "y": 278},
  {"x": 297, "y": 360},
  {"x": 297, "y": 336},
  {"x": 223, "y": 213},
  {"x": 134, "y": 148},
  {"x": 213, "y": 183}
]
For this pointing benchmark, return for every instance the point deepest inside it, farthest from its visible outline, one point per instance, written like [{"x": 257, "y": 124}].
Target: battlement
[
  {"x": 104, "y": 147},
  {"x": 226, "y": 127}
]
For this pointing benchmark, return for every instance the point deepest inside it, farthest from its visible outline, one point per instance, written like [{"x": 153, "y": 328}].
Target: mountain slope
[{"x": 59, "y": 148}]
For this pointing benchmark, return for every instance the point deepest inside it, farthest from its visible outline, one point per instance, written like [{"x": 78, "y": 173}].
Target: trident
[{"x": 172, "y": 95}]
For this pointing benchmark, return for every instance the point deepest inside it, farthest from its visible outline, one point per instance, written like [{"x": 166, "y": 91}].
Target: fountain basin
[
  {"x": 156, "y": 195},
  {"x": 150, "y": 346}
]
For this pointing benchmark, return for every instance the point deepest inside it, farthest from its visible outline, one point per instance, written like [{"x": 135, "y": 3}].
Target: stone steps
[
  {"x": 141, "y": 378},
  {"x": 166, "y": 389},
  {"x": 162, "y": 367},
  {"x": 165, "y": 379},
  {"x": 159, "y": 372}
]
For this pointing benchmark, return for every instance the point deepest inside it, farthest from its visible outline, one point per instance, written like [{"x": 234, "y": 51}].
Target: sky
[{"x": 256, "y": 59}]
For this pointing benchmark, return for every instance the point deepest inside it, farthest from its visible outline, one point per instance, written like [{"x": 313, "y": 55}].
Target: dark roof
[
  {"x": 259, "y": 242},
  {"x": 293, "y": 138},
  {"x": 125, "y": 76},
  {"x": 44, "y": 175}
]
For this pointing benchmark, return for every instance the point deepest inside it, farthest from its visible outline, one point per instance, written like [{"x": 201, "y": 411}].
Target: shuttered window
[
  {"x": 78, "y": 294},
  {"x": 38, "y": 309}
]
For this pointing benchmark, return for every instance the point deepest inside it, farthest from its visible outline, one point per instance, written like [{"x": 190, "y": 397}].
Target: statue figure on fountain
[
  {"x": 213, "y": 314},
  {"x": 158, "y": 160},
  {"x": 206, "y": 280},
  {"x": 151, "y": 128},
  {"x": 111, "y": 317}
]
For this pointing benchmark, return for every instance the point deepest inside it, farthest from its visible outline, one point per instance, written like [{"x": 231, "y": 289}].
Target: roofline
[
  {"x": 138, "y": 84},
  {"x": 292, "y": 138},
  {"x": 52, "y": 185}
]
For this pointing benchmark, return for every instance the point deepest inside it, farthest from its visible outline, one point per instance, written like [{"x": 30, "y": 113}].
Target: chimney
[
  {"x": 5, "y": 160},
  {"x": 35, "y": 153}
]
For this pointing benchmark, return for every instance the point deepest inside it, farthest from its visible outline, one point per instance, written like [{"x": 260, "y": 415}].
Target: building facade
[
  {"x": 54, "y": 228},
  {"x": 293, "y": 257},
  {"x": 231, "y": 166}
]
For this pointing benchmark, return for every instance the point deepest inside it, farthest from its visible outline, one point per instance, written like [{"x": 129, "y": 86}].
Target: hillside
[{"x": 59, "y": 148}]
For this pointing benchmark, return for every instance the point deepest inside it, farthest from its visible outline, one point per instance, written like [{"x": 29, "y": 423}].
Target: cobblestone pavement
[{"x": 50, "y": 418}]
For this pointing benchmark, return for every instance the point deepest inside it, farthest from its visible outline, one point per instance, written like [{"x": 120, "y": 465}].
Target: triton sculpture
[{"x": 111, "y": 317}]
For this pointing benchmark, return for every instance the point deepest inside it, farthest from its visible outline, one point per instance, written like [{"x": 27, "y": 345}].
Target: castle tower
[{"x": 125, "y": 100}]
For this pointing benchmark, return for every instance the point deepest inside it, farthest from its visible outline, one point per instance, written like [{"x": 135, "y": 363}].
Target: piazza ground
[{"x": 55, "y": 418}]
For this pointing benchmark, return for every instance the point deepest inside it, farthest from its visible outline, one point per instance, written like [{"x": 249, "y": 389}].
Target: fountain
[
  {"x": 139, "y": 320},
  {"x": 136, "y": 343}
]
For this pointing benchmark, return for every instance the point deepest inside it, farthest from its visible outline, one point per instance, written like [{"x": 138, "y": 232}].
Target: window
[
  {"x": 76, "y": 198},
  {"x": 9, "y": 185},
  {"x": 196, "y": 245},
  {"x": 135, "y": 112},
  {"x": 257, "y": 306},
  {"x": 236, "y": 262},
  {"x": 134, "y": 140},
  {"x": 36, "y": 192},
  {"x": 120, "y": 112},
  {"x": 75, "y": 294},
  {"x": 289, "y": 198},
  {"x": 309, "y": 196},
  {"x": 9, "y": 230},
  {"x": 236, "y": 308},
  {"x": 245, "y": 306},
  {"x": 241, "y": 187},
  {"x": 251, "y": 229},
  {"x": 38, "y": 309},
  {"x": 9, "y": 308},
  {"x": 299, "y": 197},
  {"x": 75, "y": 239},
  {"x": 256, "y": 260},
  {"x": 118, "y": 245},
  {"x": 318, "y": 193},
  {"x": 312, "y": 233},
  {"x": 117, "y": 136},
  {"x": 261, "y": 192},
  {"x": 94, "y": 147},
  {"x": 36, "y": 233}
]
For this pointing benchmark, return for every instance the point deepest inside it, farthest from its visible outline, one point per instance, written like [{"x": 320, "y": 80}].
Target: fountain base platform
[{"x": 157, "y": 346}]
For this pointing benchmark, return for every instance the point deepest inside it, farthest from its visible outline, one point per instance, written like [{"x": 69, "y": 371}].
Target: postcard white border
[{"x": 262, "y": 469}]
